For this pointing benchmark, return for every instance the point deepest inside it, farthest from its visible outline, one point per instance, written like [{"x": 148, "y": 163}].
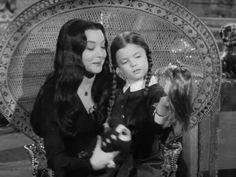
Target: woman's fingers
[
  {"x": 114, "y": 154},
  {"x": 111, "y": 164},
  {"x": 101, "y": 159}
]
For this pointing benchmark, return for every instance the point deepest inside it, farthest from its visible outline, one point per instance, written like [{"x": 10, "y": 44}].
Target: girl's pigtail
[
  {"x": 149, "y": 73},
  {"x": 112, "y": 97}
]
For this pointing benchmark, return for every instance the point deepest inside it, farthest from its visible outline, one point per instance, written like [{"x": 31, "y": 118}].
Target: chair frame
[{"x": 167, "y": 10}]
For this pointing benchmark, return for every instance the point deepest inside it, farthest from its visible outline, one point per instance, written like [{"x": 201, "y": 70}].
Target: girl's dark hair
[
  {"x": 69, "y": 71},
  {"x": 119, "y": 42}
]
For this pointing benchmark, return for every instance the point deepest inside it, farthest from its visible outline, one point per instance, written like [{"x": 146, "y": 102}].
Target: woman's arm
[
  {"x": 59, "y": 161},
  {"x": 46, "y": 125}
]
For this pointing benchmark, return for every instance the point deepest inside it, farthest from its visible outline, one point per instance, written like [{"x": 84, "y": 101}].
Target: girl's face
[
  {"x": 94, "y": 55},
  {"x": 132, "y": 62}
]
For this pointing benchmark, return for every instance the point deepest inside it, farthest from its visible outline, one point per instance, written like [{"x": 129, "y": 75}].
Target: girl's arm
[{"x": 162, "y": 112}]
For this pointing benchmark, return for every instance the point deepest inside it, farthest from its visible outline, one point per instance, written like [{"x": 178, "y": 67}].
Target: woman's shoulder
[
  {"x": 42, "y": 113},
  {"x": 44, "y": 99},
  {"x": 47, "y": 89}
]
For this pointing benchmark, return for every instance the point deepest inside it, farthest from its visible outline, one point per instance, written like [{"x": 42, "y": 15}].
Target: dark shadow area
[{"x": 227, "y": 173}]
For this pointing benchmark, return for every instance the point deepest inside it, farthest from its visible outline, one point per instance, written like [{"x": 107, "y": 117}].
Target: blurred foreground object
[{"x": 228, "y": 35}]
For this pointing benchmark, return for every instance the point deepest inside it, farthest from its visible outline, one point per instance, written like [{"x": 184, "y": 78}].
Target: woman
[{"x": 71, "y": 106}]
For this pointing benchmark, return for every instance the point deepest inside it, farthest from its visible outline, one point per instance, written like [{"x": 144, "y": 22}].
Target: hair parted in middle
[
  {"x": 69, "y": 71},
  {"x": 120, "y": 41}
]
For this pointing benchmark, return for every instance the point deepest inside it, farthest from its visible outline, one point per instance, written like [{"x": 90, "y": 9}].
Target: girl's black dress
[{"x": 137, "y": 112}]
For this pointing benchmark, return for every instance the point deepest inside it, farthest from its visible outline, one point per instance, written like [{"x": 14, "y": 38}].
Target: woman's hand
[{"x": 101, "y": 159}]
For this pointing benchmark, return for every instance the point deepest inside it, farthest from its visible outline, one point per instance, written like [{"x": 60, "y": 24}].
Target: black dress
[
  {"x": 68, "y": 156},
  {"x": 137, "y": 112}
]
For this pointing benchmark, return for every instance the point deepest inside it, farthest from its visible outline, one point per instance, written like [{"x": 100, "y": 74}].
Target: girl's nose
[{"x": 132, "y": 62}]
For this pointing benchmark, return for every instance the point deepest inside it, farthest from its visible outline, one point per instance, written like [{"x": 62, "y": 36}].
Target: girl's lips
[{"x": 136, "y": 71}]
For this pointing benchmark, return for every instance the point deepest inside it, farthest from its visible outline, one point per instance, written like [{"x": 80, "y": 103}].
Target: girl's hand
[
  {"x": 162, "y": 112},
  {"x": 162, "y": 108},
  {"x": 101, "y": 159}
]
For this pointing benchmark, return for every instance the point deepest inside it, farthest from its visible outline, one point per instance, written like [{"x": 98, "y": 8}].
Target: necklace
[
  {"x": 84, "y": 92},
  {"x": 86, "y": 86}
]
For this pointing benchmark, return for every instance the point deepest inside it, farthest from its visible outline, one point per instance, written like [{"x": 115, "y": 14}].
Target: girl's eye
[
  {"x": 124, "y": 62},
  {"x": 137, "y": 56}
]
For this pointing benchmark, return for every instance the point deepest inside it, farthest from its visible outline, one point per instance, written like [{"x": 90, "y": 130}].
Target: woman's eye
[
  {"x": 90, "y": 48},
  {"x": 138, "y": 56}
]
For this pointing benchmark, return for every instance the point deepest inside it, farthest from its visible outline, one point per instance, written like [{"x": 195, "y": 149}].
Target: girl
[{"x": 132, "y": 105}]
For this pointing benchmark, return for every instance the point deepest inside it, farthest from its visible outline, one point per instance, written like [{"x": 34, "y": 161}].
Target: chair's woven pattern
[{"x": 173, "y": 33}]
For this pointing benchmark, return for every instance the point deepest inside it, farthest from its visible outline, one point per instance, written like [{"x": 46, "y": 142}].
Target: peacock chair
[{"x": 174, "y": 34}]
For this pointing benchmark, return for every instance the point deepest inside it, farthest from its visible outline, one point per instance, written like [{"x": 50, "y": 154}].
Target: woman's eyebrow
[{"x": 93, "y": 42}]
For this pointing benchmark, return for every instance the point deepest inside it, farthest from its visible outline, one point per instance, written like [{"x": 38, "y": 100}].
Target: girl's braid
[
  {"x": 149, "y": 72},
  {"x": 112, "y": 97}
]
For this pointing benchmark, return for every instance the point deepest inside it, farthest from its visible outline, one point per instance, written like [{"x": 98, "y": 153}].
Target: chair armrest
[
  {"x": 38, "y": 160},
  {"x": 171, "y": 154}
]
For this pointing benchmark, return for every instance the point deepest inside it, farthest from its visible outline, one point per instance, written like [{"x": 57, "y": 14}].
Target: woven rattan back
[{"x": 173, "y": 33}]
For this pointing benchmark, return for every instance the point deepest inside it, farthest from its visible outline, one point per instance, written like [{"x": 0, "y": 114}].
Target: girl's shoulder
[
  {"x": 154, "y": 86},
  {"x": 156, "y": 89},
  {"x": 155, "y": 93}
]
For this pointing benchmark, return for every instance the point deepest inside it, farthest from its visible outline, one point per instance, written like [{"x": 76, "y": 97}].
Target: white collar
[{"x": 138, "y": 85}]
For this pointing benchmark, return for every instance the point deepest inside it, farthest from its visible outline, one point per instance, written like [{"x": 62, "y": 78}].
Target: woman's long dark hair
[
  {"x": 69, "y": 71},
  {"x": 119, "y": 42}
]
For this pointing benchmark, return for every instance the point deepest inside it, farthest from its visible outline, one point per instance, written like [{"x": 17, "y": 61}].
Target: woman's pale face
[
  {"x": 132, "y": 62},
  {"x": 94, "y": 55}
]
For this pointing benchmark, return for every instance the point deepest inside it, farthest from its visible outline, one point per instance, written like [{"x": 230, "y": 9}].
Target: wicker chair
[{"x": 174, "y": 34}]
